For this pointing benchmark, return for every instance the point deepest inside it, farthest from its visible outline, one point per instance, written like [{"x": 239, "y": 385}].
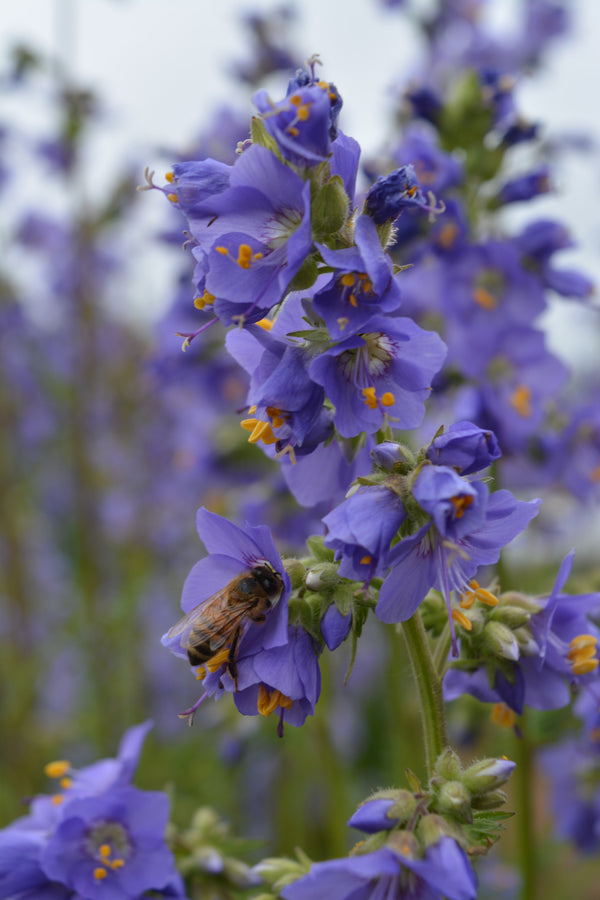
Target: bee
[{"x": 218, "y": 622}]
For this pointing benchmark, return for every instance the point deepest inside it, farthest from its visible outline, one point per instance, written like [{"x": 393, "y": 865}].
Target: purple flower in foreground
[
  {"x": 468, "y": 528},
  {"x": 464, "y": 447},
  {"x": 361, "y": 529},
  {"x": 385, "y": 372},
  {"x": 233, "y": 552},
  {"x": 362, "y": 286},
  {"x": 303, "y": 123},
  {"x": 444, "y": 871},
  {"x": 99, "y": 839}
]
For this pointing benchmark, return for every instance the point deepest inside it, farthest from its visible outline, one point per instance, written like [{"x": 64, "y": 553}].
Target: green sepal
[
  {"x": 260, "y": 136},
  {"x": 306, "y": 275},
  {"x": 318, "y": 550}
]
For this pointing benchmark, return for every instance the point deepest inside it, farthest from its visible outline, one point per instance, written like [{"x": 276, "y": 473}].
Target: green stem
[
  {"x": 524, "y": 772},
  {"x": 442, "y": 649},
  {"x": 429, "y": 688}
]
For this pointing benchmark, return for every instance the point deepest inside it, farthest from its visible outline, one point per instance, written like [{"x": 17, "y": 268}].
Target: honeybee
[{"x": 218, "y": 622}]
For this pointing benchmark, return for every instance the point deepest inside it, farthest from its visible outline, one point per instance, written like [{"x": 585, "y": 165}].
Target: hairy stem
[{"x": 429, "y": 688}]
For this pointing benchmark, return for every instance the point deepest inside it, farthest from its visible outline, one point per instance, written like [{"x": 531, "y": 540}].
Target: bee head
[{"x": 268, "y": 578}]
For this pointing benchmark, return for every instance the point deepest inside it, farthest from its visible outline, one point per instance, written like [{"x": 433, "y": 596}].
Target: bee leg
[{"x": 231, "y": 666}]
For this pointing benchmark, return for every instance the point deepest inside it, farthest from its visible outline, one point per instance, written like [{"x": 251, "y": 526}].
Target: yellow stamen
[
  {"x": 412, "y": 190},
  {"x": 520, "y": 400},
  {"x": 268, "y": 702},
  {"x": 303, "y": 112},
  {"x": 461, "y": 504},
  {"x": 486, "y": 597},
  {"x": 207, "y": 299},
  {"x": 484, "y": 299},
  {"x": 582, "y": 642},
  {"x": 296, "y": 100},
  {"x": 370, "y": 397},
  {"x": 595, "y": 474},
  {"x": 293, "y": 130},
  {"x": 117, "y": 863},
  {"x": 100, "y": 873},
  {"x": 447, "y": 235},
  {"x": 172, "y": 198},
  {"x": 104, "y": 850},
  {"x": 57, "y": 769},
  {"x": 460, "y": 617},
  {"x": 57, "y": 799},
  {"x": 467, "y": 599},
  {"x": 222, "y": 250},
  {"x": 503, "y": 715},
  {"x": 218, "y": 659},
  {"x": 584, "y": 666},
  {"x": 170, "y": 176},
  {"x": 387, "y": 399},
  {"x": 65, "y": 783},
  {"x": 352, "y": 300},
  {"x": 365, "y": 561},
  {"x": 244, "y": 256},
  {"x": 348, "y": 280},
  {"x": 267, "y": 324}
]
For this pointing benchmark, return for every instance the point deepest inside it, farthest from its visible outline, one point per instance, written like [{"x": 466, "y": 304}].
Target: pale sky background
[{"x": 160, "y": 67}]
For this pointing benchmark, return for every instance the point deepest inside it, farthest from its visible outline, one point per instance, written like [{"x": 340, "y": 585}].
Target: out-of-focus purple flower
[
  {"x": 100, "y": 838},
  {"x": 444, "y": 871},
  {"x": 526, "y": 187}
]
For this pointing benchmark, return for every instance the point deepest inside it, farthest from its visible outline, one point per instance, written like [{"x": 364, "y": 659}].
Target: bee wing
[
  {"x": 223, "y": 624},
  {"x": 221, "y": 620}
]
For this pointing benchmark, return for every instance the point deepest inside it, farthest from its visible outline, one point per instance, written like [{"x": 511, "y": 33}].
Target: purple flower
[
  {"x": 304, "y": 123},
  {"x": 251, "y": 237},
  {"x": 284, "y": 679},
  {"x": 372, "y": 816},
  {"x": 464, "y": 447},
  {"x": 468, "y": 528},
  {"x": 444, "y": 871},
  {"x": 362, "y": 286},
  {"x": 560, "y": 651},
  {"x": 232, "y": 551},
  {"x": 526, "y": 187},
  {"x": 383, "y": 373},
  {"x": 335, "y": 627},
  {"x": 100, "y": 838},
  {"x": 360, "y": 530},
  {"x": 393, "y": 193}
]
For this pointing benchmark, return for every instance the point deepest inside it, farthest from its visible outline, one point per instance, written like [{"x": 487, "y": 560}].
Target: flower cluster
[{"x": 97, "y": 837}]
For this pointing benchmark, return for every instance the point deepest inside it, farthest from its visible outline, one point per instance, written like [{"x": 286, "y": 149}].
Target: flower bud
[
  {"x": 374, "y": 815},
  {"x": 329, "y": 208},
  {"x": 431, "y": 829},
  {"x": 499, "y": 640},
  {"x": 404, "y": 843},
  {"x": 528, "y": 646},
  {"x": 487, "y": 775},
  {"x": 491, "y": 800},
  {"x": 322, "y": 575},
  {"x": 454, "y": 800},
  {"x": 297, "y": 572},
  {"x": 279, "y": 871},
  {"x": 448, "y": 765},
  {"x": 514, "y": 598},
  {"x": 512, "y": 616}
]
